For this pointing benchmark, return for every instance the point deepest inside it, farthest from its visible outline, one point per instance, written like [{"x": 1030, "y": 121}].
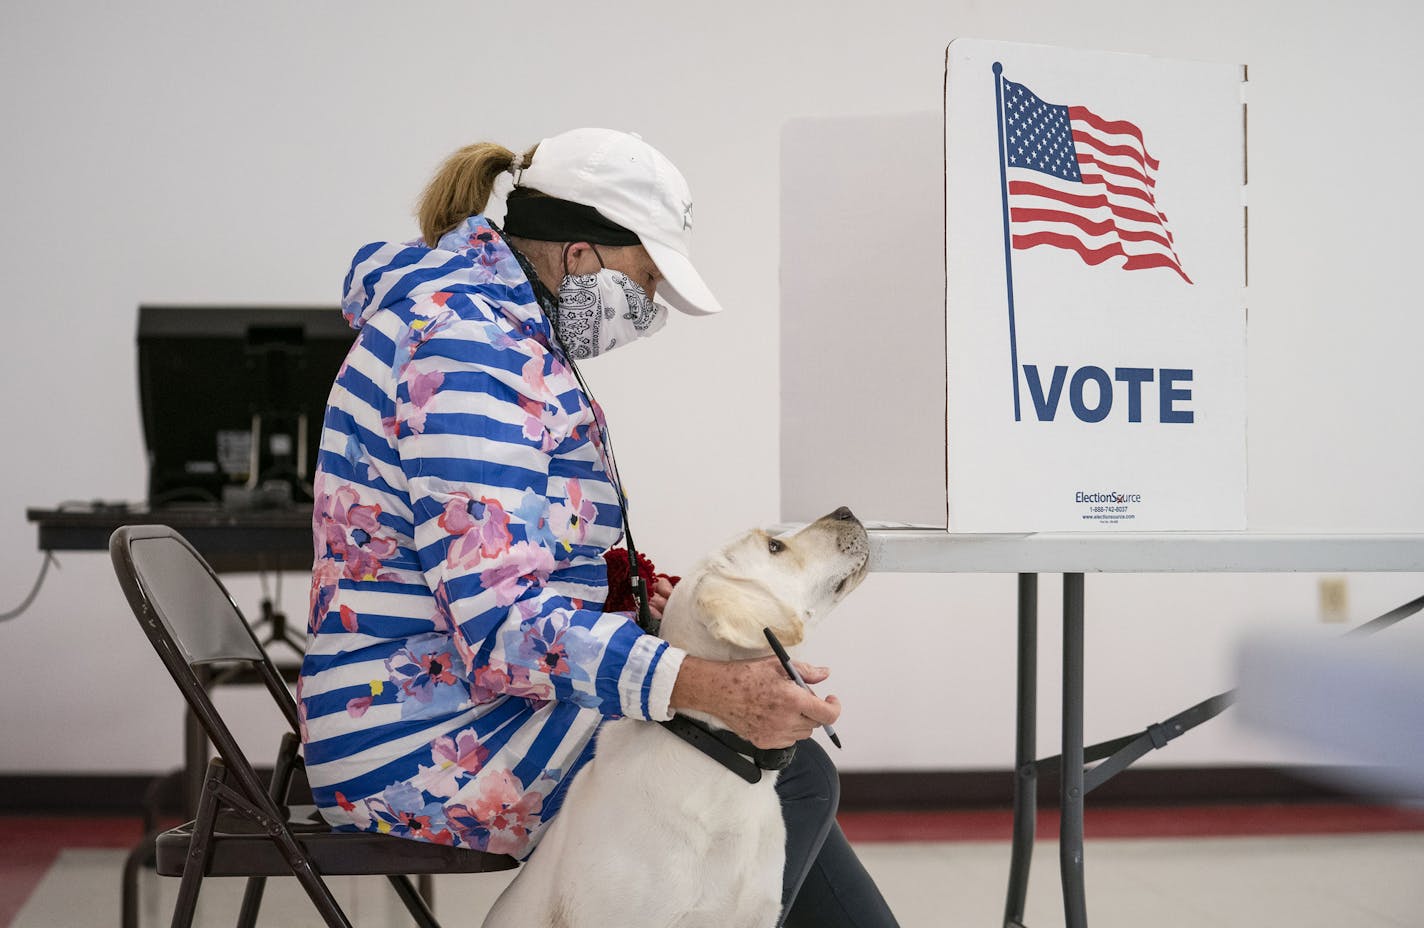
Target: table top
[
  {"x": 231, "y": 540},
  {"x": 923, "y": 550},
  {"x": 176, "y": 516},
  {"x": 284, "y": 536}
]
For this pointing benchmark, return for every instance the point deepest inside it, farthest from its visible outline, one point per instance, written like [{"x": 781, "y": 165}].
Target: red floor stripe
[
  {"x": 1146, "y": 822},
  {"x": 33, "y": 842}
]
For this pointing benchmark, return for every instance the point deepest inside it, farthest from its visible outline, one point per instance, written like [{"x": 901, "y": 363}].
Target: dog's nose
[{"x": 843, "y": 514}]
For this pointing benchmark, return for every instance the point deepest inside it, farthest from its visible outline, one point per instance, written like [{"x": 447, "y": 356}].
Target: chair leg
[
  {"x": 414, "y": 904},
  {"x": 277, "y": 789},
  {"x": 251, "y": 902},
  {"x": 196, "y": 865},
  {"x": 317, "y": 890}
]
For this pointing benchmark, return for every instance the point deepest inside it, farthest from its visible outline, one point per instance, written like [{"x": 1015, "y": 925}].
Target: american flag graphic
[{"x": 1078, "y": 181}]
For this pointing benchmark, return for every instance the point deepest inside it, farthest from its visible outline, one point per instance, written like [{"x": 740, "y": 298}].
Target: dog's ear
[{"x": 736, "y": 609}]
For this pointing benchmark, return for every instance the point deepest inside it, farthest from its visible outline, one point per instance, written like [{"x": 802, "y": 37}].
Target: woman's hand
[
  {"x": 658, "y": 596},
  {"x": 756, "y": 699}
]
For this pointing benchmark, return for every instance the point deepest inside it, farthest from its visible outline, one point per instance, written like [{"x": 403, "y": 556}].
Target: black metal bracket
[
  {"x": 1120, "y": 753},
  {"x": 1154, "y": 737}
]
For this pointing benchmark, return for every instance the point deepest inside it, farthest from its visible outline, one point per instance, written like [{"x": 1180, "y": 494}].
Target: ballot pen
[{"x": 791, "y": 672}]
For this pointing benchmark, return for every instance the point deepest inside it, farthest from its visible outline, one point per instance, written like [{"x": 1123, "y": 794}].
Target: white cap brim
[{"x": 682, "y": 287}]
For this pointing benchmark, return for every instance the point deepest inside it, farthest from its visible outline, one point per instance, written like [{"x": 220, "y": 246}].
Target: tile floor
[{"x": 1329, "y": 881}]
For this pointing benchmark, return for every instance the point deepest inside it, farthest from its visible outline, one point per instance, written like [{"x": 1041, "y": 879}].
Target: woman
[{"x": 459, "y": 661}]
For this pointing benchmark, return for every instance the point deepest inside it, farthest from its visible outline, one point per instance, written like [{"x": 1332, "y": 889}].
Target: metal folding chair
[{"x": 241, "y": 828}]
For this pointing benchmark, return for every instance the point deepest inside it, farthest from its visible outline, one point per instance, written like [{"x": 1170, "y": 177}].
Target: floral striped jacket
[{"x": 459, "y": 661}]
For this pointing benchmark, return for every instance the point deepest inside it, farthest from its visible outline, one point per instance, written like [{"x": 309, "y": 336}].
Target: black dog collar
[{"x": 738, "y": 755}]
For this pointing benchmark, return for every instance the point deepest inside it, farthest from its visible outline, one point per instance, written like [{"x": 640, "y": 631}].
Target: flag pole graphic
[{"x": 1008, "y": 242}]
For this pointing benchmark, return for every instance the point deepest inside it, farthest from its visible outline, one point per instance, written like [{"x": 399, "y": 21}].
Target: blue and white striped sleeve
[{"x": 496, "y": 515}]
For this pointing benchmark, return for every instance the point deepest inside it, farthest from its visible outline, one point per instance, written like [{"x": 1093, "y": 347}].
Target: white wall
[{"x": 241, "y": 152}]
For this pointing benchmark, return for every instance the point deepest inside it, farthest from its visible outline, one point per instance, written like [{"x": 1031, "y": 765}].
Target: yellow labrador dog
[{"x": 654, "y": 832}]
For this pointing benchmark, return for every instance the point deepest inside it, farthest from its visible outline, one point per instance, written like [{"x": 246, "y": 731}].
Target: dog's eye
[{"x": 775, "y": 545}]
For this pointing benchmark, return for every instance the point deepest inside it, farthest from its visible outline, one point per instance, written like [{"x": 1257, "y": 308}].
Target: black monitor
[{"x": 232, "y": 399}]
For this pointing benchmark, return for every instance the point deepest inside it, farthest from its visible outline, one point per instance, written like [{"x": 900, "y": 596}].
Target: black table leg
[
  {"x": 1070, "y": 834},
  {"x": 1025, "y": 752},
  {"x": 195, "y": 754}
]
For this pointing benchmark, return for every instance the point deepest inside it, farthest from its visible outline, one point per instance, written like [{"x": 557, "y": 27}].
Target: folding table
[{"x": 917, "y": 550}]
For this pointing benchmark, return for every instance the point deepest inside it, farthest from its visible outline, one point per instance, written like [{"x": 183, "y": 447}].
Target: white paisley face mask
[{"x": 603, "y": 311}]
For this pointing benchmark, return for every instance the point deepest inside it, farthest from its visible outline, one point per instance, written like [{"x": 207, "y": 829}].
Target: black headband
[{"x": 550, "y": 219}]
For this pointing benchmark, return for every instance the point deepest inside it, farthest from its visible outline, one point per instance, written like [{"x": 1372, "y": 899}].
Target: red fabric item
[{"x": 620, "y": 590}]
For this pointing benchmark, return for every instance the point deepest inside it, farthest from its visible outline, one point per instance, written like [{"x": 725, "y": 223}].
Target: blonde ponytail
[{"x": 461, "y": 188}]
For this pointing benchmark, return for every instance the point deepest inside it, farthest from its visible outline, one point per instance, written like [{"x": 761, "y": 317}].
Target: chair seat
[{"x": 240, "y": 848}]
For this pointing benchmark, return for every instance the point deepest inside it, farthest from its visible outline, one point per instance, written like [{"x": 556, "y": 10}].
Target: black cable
[{"x": 34, "y": 591}]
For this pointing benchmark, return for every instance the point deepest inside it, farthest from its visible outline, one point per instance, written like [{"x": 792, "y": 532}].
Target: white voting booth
[
  {"x": 1014, "y": 341},
  {"x": 1042, "y": 330}
]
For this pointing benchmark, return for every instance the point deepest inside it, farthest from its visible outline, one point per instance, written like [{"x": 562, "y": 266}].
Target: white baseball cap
[{"x": 633, "y": 184}]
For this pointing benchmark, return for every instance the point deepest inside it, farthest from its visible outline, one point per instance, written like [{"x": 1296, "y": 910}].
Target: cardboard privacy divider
[
  {"x": 862, "y": 318},
  {"x": 1084, "y": 367}
]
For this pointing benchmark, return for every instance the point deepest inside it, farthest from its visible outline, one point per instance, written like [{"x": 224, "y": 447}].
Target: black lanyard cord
[
  {"x": 549, "y": 303},
  {"x": 646, "y": 620}
]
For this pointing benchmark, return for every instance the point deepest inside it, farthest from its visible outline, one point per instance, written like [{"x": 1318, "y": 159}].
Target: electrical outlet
[{"x": 1334, "y": 600}]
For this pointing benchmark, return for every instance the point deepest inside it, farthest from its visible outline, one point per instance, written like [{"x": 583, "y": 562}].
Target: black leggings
[{"x": 824, "y": 884}]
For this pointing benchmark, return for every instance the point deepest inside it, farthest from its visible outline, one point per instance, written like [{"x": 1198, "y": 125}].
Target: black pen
[{"x": 785, "y": 659}]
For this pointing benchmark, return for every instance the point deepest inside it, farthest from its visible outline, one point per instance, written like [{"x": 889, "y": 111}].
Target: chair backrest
[
  {"x": 190, "y": 602},
  {"x": 193, "y": 623}
]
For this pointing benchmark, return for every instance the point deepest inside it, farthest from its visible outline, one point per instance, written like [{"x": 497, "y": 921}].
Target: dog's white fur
[{"x": 653, "y": 832}]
